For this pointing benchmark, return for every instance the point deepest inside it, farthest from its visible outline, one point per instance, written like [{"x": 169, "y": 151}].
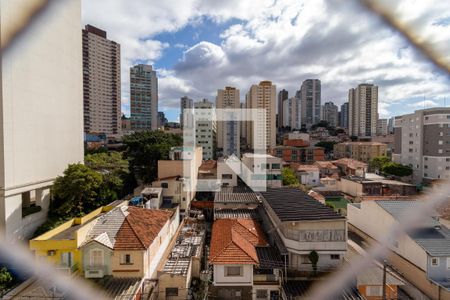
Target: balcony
[{"x": 265, "y": 279}]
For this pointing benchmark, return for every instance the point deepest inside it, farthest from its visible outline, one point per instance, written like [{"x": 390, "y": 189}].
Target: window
[
  {"x": 227, "y": 176},
  {"x": 435, "y": 262},
  {"x": 171, "y": 292},
  {"x": 374, "y": 291},
  {"x": 96, "y": 258},
  {"x": 125, "y": 259},
  {"x": 335, "y": 256},
  {"x": 66, "y": 259},
  {"x": 164, "y": 185},
  {"x": 276, "y": 166},
  {"x": 261, "y": 294},
  {"x": 233, "y": 271}
]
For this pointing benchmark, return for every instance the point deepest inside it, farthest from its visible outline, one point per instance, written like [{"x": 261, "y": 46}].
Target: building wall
[
  {"x": 221, "y": 280},
  {"x": 108, "y": 257},
  {"x": 205, "y": 128},
  {"x": 223, "y": 168},
  {"x": 173, "y": 281},
  {"x": 311, "y": 178},
  {"x": 391, "y": 292},
  {"x": 310, "y": 93},
  {"x": 228, "y": 133},
  {"x": 137, "y": 268},
  {"x": 363, "y": 110},
  {"x": 41, "y": 110}
]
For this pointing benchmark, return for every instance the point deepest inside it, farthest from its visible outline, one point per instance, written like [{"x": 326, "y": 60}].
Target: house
[
  {"x": 60, "y": 246},
  {"x": 359, "y": 186},
  {"x": 225, "y": 172},
  {"x": 305, "y": 225},
  {"x": 305, "y": 155},
  {"x": 327, "y": 169},
  {"x": 329, "y": 184},
  {"x": 183, "y": 263},
  {"x": 306, "y": 174},
  {"x": 150, "y": 197},
  {"x": 261, "y": 170},
  {"x": 244, "y": 264},
  {"x": 348, "y": 166},
  {"x": 422, "y": 255},
  {"x": 207, "y": 176},
  {"x": 178, "y": 176},
  {"x": 128, "y": 241}
]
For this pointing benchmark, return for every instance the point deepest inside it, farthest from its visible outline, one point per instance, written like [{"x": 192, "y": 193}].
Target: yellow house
[{"x": 59, "y": 246}]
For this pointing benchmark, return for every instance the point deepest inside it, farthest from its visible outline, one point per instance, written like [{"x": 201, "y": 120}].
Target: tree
[
  {"x": 288, "y": 176},
  {"x": 314, "y": 259},
  {"x": 396, "y": 169},
  {"x": 144, "y": 149},
  {"x": 328, "y": 146},
  {"x": 77, "y": 191},
  {"x": 6, "y": 279},
  {"x": 377, "y": 163}
]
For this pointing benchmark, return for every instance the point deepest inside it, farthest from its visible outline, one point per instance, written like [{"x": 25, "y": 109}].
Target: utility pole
[{"x": 384, "y": 279}]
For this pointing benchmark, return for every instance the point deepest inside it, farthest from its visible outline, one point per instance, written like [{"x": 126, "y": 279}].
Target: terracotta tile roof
[
  {"x": 140, "y": 228},
  {"x": 208, "y": 166},
  {"x": 233, "y": 242},
  {"x": 300, "y": 167},
  {"x": 350, "y": 163},
  {"x": 325, "y": 165}
]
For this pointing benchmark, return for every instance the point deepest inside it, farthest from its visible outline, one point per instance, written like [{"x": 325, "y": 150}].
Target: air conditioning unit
[{"x": 93, "y": 274}]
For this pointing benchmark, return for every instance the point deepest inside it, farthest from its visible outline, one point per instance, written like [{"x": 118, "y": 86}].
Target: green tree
[
  {"x": 328, "y": 146},
  {"x": 313, "y": 257},
  {"x": 377, "y": 163},
  {"x": 77, "y": 191},
  {"x": 6, "y": 278},
  {"x": 396, "y": 169},
  {"x": 144, "y": 149},
  {"x": 288, "y": 177}
]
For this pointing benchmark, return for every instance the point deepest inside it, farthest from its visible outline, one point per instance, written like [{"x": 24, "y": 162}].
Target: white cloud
[
  {"x": 423, "y": 104},
  {"x": 285, "y": 41}
]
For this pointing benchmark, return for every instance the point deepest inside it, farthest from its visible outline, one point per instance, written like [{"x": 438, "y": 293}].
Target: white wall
[
  {"x": 41, "y": 103},
  {"x": 221, "y": 280}
]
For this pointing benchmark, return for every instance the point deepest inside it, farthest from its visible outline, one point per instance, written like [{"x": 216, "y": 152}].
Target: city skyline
[{"x": 202, "y": 40}]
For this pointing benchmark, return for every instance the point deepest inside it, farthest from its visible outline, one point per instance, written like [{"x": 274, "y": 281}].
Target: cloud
[
  {"x": 285, "y": 41},
  {"x": 423, "y": 104}
]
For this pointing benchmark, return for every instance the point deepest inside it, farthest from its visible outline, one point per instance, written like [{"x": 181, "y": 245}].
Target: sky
[{"x": 199, "y": 46}]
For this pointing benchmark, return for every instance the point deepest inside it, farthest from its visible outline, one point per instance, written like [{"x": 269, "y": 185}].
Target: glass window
[
  {"x": 261, "y": 294},
  {"x": 276, "y": 166},
  {"x": 164, "y": 185},
  {"x": 335, "y": 256},
  {"x": 126, "y": 259},
  {"x": 233, "y": 271},
  {"x": 435, "y": 262},
  {"x": 96, "y": 259}
]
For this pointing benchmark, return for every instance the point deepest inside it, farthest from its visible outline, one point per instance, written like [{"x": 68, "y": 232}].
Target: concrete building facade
[
  {"x": 282, "y": 96},
  {"x": 143, "y": 98},
  {"x": 382, "y": 127},
  {"x": 362, "y": 151},
  {"x": 330, "y": 113},
  {"x": 422, "y": 141},
  {"x": 343, "y": 122},
  {"x": 228, "y": 132},
  {"x": 205, "y": 128},
  {"x": 41, "y": 120},
  {"x": 185, "y": 103},
  {"x": 363, "y": 110},
  {"x": 310, "y": 95},
  {"x": 101, "y": 82}
]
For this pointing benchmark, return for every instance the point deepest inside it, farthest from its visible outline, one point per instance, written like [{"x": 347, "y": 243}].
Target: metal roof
[
  {"x": 269, "y": 258},
  {"x": 291, "y": 204},
  {"x": 433, "y": 237},
  {"x": 236, "y": 195},
  {"x": 236, "y": 214}
]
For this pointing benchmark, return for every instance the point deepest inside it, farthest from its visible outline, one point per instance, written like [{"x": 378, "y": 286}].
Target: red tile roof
[
  {"x": 233, "y": 242},
  {"x": 140, "y": 227}
]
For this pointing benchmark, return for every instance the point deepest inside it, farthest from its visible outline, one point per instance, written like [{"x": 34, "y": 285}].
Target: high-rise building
[
  {"x": 143, "y": 98},
  {"x": 391, "y": 122},
  {"x": 422, "y": 141},
  {"x": 228, "y": 132},
  {"x": 41, "y": 125},
  {"x": 363, "y": 110},
  {"x": 291, "y": 117},
  {"x": 310, "y": 95},
  {"x": 185, "y": 103},
  {"x": 262, "y": 96},
  {"x": 101, "y": 82},
  {"x": 162, "y": 120},
  {"x": 330, "y": 113},
  {"x": 205, "y": 128},
  {"x": 344, "y": 115},
  {"x": 382, "y": 127},
  {"x": 282, "y": 96}
]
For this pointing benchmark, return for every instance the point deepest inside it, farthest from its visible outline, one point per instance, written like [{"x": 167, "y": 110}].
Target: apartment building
[
  {"x": 262, "y": 96},
  {"x": 382, "y": 127},
  {"x": 291, "y": 113},
  {"x": 422, "y": 141},
  {"x": 330, "y": 113},
  {"x": 299, "y": 154},
  {"x": 261, "y": 170},
  {"x": 363, "y": 110},
  {"x": 186, "y": 103},
  {"x": 205, "y": 128},
  {"x": 41, "y": 99},
  {"x": 228, "y": 132},
  {"x": 143, "y": 98},
  {"x": 422, "y": 255},
  {"x": 310, "y": 99},
  {"x": 343, "y": 122},
  {"x": 101, "y": 82},
  {"x": 282, "y": 96},
  {"x": 362, "y": 151}
]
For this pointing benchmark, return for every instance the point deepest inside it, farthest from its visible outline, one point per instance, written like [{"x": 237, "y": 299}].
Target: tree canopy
[
  {"x": 377, "y": 163},
  {"x": 288, "y": 177},
  {"x": 396, "y": 169},
  {"x": 144, "y": 149},
  {"x": 327, "y": 145}
]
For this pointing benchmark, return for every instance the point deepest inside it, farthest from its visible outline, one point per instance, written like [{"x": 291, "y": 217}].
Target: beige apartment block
[
  {"x": 228, "y": 132},
  {"x": 41, "y": 105},
  {"x": 362, "y": 151},
  {"x": 101, "y": 82},
  {"x": 262, "y": 96},
  {"x": 363, "y": 110}
]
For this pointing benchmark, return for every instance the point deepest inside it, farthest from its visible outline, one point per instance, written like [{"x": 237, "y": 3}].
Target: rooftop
[
  {"x": 233, "y": 241},
  {"x": 236, "y": 214},
  {"x": 433, "y": 237},
  {"x": 236, "y": 195},
  {"x": 291, "y": 204},
  {"x": 305, "y": 168},
  {"x": 119, "y": 288},
  {"x": 325, "y": 164},
  {"x": 207, "y": 166},
  {"x": 351, "y": 163}
]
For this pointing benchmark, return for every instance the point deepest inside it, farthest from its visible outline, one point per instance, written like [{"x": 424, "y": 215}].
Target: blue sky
[{"x": 199, "y": 46}]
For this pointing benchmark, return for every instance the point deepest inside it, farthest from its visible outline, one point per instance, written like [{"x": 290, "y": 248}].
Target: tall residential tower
[
  {"x": 228, "y": 132},
  {"x": 363, "y": 110},
  {"x": 310, "y": 95}
]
